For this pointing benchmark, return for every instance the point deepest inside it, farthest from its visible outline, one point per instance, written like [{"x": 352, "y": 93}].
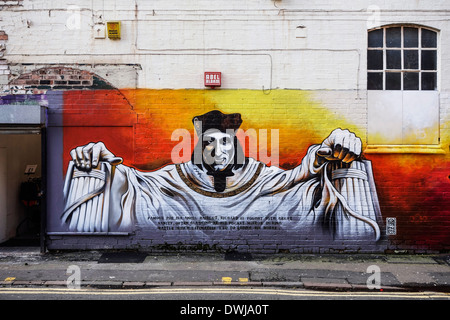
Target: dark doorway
[{"x": 20, "y": 186}]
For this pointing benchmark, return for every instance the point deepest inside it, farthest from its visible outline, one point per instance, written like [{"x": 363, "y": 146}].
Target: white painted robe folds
[{"x": 306, "y": 202}]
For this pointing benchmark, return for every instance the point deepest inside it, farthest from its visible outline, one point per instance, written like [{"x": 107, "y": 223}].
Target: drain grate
[
  {"x": 122, "y": 257},
  {"x": 238, "y": 256}
]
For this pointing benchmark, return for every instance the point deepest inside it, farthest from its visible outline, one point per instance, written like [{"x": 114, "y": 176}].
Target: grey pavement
[{"x": 27, "y": 267}]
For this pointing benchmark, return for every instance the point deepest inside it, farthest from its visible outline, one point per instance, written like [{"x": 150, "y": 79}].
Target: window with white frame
[
  {"x": 402, "y": 58},
  {"x": 402, "y": 83}
]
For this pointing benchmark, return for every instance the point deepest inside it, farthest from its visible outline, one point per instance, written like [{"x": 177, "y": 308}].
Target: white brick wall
[
  {"x": 187, "y": 37},
  {"x": 256, "y": 44}
]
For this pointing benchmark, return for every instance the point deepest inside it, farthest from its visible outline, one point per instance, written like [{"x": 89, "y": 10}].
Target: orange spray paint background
[{"x": 137, "y": 124}]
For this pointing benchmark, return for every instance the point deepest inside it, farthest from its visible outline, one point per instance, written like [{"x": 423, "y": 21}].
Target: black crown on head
[{"x": 217, "y": 120}]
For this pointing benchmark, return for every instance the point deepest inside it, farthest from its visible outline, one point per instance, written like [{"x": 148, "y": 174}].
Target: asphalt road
[
  {"x": 215, "y": 302},
  {"x": 208, "y": 293}
]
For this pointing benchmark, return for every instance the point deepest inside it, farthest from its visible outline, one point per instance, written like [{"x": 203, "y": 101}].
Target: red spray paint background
[{"x": 414, "y": 188}]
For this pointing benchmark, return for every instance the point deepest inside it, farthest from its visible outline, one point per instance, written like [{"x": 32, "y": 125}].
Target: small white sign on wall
[
  {"x": 31, "y": 168},
  {"x": 391, "y": 226}
]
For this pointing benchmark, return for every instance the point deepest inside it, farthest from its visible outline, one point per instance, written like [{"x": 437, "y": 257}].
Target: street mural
[
  {"x": 330, "y": 195},
  {"x": 150, "y": 185}
]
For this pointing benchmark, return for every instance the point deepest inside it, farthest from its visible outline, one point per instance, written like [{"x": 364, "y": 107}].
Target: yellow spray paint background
[{"x": 414, "y": 188}]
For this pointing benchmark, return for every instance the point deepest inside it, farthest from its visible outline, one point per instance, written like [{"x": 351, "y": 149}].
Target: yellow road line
[{"x": 258, "y": 291}]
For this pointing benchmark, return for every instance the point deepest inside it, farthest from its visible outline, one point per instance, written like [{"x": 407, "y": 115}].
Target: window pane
[
  {"x": 394, "y": 37},
  {"x": 429, "y": 60},
  {"x": 375, "y": 59},
  {"x": 411, "y": 37},
  {"x": 429, "y": 39},
  {"x": 375, "y": 81},
  {"x": 376, "y": 39},
  {"x": 393, "y": 81},
  {"x": 429, "y": 81},
  {"x": 411, "y": 81},
  {"x": 411, "y": 59},
  {"x": 393, "y": 59}
]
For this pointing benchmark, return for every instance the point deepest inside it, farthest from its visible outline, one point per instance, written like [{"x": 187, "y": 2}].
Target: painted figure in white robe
[{"x": 330, "y": 195}]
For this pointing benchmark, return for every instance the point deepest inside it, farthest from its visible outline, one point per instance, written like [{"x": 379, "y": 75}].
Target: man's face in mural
[{"x": 218, "y": 149}]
